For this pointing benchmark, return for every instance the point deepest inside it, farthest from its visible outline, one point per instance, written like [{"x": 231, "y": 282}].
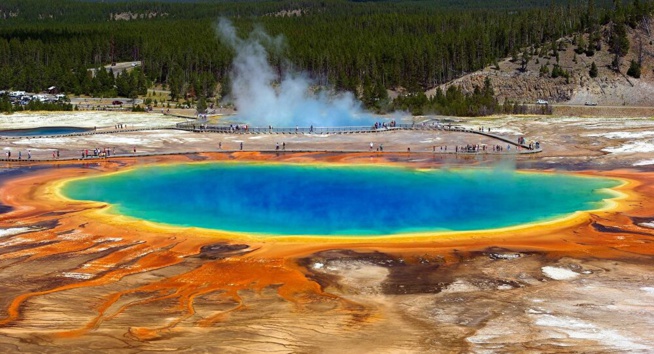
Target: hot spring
[
  {"x": 285, "y": 199},
  {"x": 43, "y": 131}
]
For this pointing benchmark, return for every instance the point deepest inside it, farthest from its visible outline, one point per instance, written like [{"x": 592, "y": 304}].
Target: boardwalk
[
  {"x": 323, "y": 131},
  {"x": 244, "y": 129}
]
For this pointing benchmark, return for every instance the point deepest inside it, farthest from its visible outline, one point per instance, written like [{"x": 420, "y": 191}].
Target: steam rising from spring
[{"x": 264, "y": 97}]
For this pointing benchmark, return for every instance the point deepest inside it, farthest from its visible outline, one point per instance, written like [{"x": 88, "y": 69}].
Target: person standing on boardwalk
[{"x": 241, "y": 145}]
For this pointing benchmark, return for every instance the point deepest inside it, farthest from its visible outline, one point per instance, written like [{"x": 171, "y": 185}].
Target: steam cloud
[{"x": 263, "y": 97}]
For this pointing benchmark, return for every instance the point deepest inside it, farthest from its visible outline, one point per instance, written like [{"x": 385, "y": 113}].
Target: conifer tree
[
  {"x": 593, "y": 70},
  {"x": 634, "y": 69}
]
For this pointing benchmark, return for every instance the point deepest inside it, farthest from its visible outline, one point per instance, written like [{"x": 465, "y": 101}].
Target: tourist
[
  {"x": 283, "y": 146},
  {"x": 381, "y": 147},
  {"x": 241, "y": 146},
  {"x": 29, "y": 154},
  {"x": 276, "y": 146},
  {"x": 371, "y": 145},
  {"x": 134, "y": 149},
  {"x": 220, "y": 145},
  {"x": 20, "y": 154}
]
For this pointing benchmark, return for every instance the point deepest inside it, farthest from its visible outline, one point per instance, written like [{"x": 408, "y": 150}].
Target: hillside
[
  {"x": 367, "y": 47},
  {"x": 339, "y": 43},
  {"x": 609, "y": 88}
]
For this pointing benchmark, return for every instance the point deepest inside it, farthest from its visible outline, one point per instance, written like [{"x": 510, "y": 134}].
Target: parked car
[
  {"x": 591, "y": 103},
  {"x": 117, "y": 103},
  {"x": 541, "y": 101}
]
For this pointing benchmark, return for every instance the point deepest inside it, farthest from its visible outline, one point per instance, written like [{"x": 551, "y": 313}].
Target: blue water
[
  {"x": 43, "y": 131},
  {"x": 339, "y": 200}
]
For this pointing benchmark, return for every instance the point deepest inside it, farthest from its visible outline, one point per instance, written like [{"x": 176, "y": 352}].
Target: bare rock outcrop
[{"x": 610, "y": 87}]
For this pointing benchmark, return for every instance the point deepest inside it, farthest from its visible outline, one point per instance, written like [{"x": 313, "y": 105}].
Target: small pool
[{"x": 40, "y": 131}]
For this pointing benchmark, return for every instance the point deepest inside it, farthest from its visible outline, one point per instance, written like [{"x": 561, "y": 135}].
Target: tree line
[{"x": 364, "y": 47}]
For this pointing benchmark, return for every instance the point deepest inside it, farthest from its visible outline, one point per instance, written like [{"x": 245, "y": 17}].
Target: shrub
[{"x": 634, "y": 69}]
